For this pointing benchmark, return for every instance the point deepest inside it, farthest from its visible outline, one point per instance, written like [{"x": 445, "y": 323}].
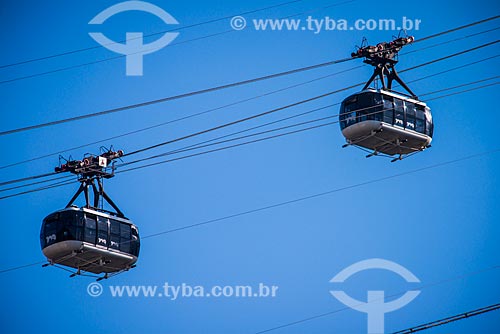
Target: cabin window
[
  {"x": 67, "y": 218},
  {"x": 114, "y": 235},
  {"x": 125, "y": 235},
  {"x": 361, "y": 107},
  {"x": 429, "y": 127},
  {"x": 420, "y": 120},
  {"x": 50, "y": 233},
  {"x": 399, "y": 113},
  {"x": 78, "y": 224},
  {"x": 59, "y": 227},
  {"x": 410, "y": 115},
  {"x": 376, "y": 111},
  {"x": 89, "y": 234},
  {"x": 102, "y": 231},
  {"x": 349, "y": 113},
  {"x": 388, "y": 110},
  {"x": 135, "y": 243},
  {"x": 68, "y": 221},
  {"x": 364, "y": 107}
]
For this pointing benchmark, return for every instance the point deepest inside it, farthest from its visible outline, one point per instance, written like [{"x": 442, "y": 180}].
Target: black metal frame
[
  {"x": 384, "y": 69},
  {"x": 85, "y": 183},
  {"x": 382, "y": 57},
  {"x": 90, "y": 170}
]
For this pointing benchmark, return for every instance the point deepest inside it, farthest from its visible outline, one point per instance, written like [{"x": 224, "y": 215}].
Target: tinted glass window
[
  {"x": 365, "y": 100},
  {"x": 410, "y": 115},
  {"x": 376, "y": 112},
  {"x": 429, "y": 126},
  {"x": 114, "y": 236},
  {"x": 348, "y": 112},
  {"x": 50, "y": 233},
  {"x": 68, "y": 233},
  {"x": 51, "y": 227},
  {"x": 420, "y": 120},
  {"x": 80, "y": 219},
  {"x": 399, "y": 116},
  {"x": 90, "y": 230},
  {"x": 125, "y": 237},
  {"x": 52, "y": 217},
  {"x": 65, "y": 218},
  {"x": 102, "y": 231},
  {"x": 125, "y": 231},
  {"x": 114, "y": 227},
  {"x": 135, "y": 244},
  {"x": 68, "y": 221},
  {"x": 79, "y": 225},
  {"x": 59, "y": 227},
  {"x": 365, "y": 107},
  {"x": 388, "y": 110},
  {"x": 361, "y": 107}
]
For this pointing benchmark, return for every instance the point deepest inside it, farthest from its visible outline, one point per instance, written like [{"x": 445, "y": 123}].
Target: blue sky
[{"x": 440, "y": 223}]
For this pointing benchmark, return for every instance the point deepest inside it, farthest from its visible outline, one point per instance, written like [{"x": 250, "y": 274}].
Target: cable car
[
  {"x": 382, "y": 120},
  {"x": 386, "y": 122},
  {"x": 90, "y": 238}
]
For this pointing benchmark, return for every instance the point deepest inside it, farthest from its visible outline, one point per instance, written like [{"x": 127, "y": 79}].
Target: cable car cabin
[
  {"x": 89, "y": 240},
  {"x": 386, "y": 122}
]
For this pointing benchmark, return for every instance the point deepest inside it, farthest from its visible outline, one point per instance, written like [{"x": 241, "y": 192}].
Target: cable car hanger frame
[
  {"x": 383, "y": 57},
  {"x": 90, "y": 170}
]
